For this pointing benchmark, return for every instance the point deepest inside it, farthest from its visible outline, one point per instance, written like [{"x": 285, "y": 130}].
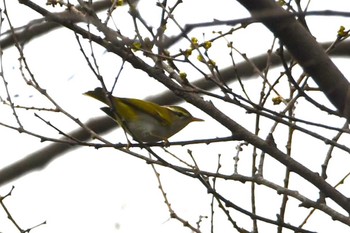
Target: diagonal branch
[
  {"x": 39, "y": 27},
  {"x": 236, "y": 129},
  {"x": 304, "y": 48},
  {"x": 42, "y": 157}
]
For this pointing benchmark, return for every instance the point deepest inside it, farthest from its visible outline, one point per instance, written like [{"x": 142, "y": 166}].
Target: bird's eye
[{"x": 180, "y": 114}]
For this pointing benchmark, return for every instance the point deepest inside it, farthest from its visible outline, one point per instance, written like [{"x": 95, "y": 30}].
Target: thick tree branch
[
  {"x": 235, "y": 128},
  {"x": 304, "y": 48}
]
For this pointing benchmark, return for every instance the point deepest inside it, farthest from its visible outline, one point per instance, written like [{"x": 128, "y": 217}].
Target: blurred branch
[
  {"x": 42, "y": 157},
  {"x": 39, "y": 27},
  {"x": 111, "y": 43},
  {"x": 249, "y": 20}
]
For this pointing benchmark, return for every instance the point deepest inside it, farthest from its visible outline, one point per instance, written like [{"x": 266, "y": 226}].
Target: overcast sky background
[{"x": 90, "y": 190}]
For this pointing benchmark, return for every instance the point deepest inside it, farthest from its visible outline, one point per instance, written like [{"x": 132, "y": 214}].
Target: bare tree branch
[
  {"x": 39, "y": 27},
  {"x": 181, "y": 88},
  {"x": 304, "y": 48},
  {"x": 40, "y": 158}
]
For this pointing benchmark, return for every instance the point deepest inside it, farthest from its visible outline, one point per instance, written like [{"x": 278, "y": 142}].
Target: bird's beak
[{"x": 196, "y": 119}]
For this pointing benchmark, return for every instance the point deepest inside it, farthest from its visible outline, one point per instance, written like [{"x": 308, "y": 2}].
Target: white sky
[{"x": 103, "y": 190}]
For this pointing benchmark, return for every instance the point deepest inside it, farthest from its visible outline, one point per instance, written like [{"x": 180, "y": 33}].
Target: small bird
[{"x": 143, "y": 120}]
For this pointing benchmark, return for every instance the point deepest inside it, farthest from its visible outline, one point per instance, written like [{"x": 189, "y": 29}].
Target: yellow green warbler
[{"x": 143, "y": 120}]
